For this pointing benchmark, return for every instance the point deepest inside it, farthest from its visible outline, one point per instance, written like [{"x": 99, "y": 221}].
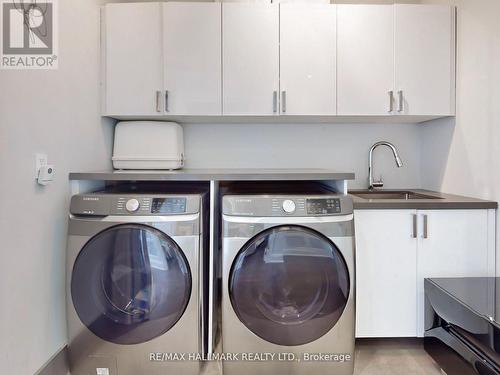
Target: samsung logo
[{"x": 90, "y": 198}]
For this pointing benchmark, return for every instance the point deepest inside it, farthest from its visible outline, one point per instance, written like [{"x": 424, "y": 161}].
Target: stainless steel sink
[{"x": 392, "y": 194}]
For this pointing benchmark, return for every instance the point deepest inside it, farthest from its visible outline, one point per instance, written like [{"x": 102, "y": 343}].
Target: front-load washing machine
[
  {"x": 288, "y": 284},
  {"x": 134, "y": 283}
]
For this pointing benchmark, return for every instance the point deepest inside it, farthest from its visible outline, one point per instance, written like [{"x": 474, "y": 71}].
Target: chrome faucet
[{"x": 376, "y": 184}]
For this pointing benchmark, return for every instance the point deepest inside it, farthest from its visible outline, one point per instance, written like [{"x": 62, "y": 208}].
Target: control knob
[
  {"x": 288, "y": 206},
  {"x": 132, "y": 205}
]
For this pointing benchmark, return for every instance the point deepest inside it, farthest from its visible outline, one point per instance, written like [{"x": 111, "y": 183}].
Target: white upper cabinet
[
  {"x": 192, "y": 58},
  {"x": 132, "y": 59},
  {"x": 396, "y": 59},
  {"x": 250, "y": 50},
  {"x": 255, "y": 59},
  {"x": 365, "y": 67},
  {"x": 425, "y": 59},
  {"x": 308, "y": 59}
]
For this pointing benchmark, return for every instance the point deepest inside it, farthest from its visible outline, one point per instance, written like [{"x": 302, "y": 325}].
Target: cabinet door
[
  {"x": 308, "y": 59},
  {"x": 425, "y": 59},
  {"x": 132, "y": 53},
  {"x": 250, "y": 37},
  {"x": 453, "y": 243},
  {"x": 365, "y": 67},
  {"x": 385, "y": 273},
  {"x": 192, "y": 53}
]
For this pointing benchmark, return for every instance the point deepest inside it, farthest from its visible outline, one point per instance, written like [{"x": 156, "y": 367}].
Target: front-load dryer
[
  {"x": 134, "y": 293},
  {"x": 288, "y": 284}
]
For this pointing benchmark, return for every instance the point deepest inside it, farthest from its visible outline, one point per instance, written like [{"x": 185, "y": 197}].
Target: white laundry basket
[{"x": 148, "y": 145}]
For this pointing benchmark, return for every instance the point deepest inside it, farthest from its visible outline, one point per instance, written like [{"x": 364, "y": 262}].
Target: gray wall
[
  {"x": 56, "y": 112},
  {"x": 343, "y": 147}
]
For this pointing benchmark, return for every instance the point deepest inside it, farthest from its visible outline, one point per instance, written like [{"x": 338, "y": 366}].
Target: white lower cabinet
[
  {"x": 453, "y": 243},
  {"x": 397, "y": 249},
  {"x": 386, "y": 276}
]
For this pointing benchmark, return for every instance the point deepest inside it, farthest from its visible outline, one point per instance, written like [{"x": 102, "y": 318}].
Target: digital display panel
[
  {"x": 168, "y": 205},
  {"x": 323, "y": 206}
]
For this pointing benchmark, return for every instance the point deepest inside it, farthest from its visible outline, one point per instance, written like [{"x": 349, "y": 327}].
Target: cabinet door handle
[
  {"x": 400, "y": 101},
  {"x": 166, "y": 100},
  {"x": 275, "y": 101},
  {"x": 414, "y": 234},
  {"x": 391, "y": 101},
  {"x": 158, "y": 101},
  {"x": 426, "y": 230},
  {"x": 283, "y": 101}
]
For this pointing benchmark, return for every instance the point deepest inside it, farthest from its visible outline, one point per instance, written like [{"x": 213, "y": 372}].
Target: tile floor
[
  {"x": 393, "y": 357},
  {"x": 381, "y": 357}
]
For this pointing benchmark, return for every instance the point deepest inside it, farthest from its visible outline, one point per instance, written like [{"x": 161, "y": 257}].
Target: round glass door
[
  {"x": 130, "y": 284},
  {"x": 289, "y": 285}
]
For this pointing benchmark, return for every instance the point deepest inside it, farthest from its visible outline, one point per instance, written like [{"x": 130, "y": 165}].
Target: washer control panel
[
  {"x": 323, "y": 206},
  {"x": 280, "y": 206},
  {"x": 169, "y": 206},
  {"x": 288, "y": 206},
  {"x": 296, "y": 205},
  {"x": 131, "y": 205},
  {"x": 134, "y": 204}
]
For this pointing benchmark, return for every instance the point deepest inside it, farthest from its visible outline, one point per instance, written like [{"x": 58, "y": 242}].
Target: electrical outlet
[{"x": 40, "y": 161}]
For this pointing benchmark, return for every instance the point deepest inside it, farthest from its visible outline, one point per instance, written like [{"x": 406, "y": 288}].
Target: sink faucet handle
[{"x": 378, "y": 183}]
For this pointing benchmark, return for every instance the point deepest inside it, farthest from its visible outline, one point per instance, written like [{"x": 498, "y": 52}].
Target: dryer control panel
[{"x": 297, "y": 205}]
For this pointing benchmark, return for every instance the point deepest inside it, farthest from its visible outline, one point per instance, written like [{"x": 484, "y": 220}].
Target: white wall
[
  {"x": 462, "y": 155},
  {"x": 56, "y": 112},
  {"x": 343, "y": 147}
]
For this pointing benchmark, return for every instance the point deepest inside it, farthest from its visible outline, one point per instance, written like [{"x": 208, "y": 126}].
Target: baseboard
[{"x": 57, "y": 364}]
